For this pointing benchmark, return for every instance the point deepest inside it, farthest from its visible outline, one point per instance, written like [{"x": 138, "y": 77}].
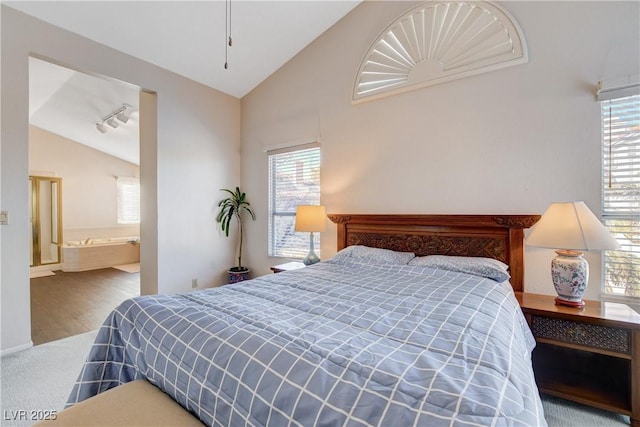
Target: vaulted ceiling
[{"x": 185, "y": 37}]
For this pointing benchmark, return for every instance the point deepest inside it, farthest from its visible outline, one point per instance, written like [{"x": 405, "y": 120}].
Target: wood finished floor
[{"x": 72, "y": 303}]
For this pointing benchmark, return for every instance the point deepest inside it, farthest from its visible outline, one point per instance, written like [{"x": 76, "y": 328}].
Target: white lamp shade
[
  {"x": 571, "y": 225},
  {"x": 311, "y": 218}
]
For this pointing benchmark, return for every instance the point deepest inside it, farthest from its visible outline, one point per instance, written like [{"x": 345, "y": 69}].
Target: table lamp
[
  {"x": 311, "y": 218},
  {"x": 570, "y": 227}
]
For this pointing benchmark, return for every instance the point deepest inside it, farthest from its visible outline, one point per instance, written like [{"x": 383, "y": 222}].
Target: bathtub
[{"x": 92, "y": 254}]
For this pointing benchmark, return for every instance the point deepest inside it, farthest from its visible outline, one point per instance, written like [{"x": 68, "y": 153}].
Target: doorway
[{"x": 83, "y": 132}]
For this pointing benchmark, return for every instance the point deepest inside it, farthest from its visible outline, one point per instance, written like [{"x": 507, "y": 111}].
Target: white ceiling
[
  {"x": 185, "y": 37},
  {"x": 69, "y": 104}
]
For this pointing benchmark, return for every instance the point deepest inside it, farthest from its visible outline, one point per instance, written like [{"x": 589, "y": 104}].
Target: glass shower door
[{"x": 46, "y": 219}]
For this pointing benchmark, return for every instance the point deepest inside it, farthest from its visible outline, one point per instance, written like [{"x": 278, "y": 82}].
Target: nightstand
[
  {"x": 589, "y": 355},
  {"x": 287, "y": 267}
]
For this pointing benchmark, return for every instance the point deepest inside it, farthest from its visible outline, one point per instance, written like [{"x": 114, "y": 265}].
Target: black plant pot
[{"x": 238, "y": 274}]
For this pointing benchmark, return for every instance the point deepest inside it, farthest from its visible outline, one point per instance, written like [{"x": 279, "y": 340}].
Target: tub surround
[{"x": 92, "y": 254}]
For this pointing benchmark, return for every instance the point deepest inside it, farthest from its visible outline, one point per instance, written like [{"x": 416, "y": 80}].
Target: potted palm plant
[{"x": 234, "y": 207}]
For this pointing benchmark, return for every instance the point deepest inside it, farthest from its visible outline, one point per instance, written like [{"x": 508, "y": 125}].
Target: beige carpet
[
  {"x": 129, "y": 268},
  {"x": 40, "y": 379}
]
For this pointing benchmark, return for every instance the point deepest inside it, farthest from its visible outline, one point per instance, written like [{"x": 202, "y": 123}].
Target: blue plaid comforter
[{"x": 333, "y": 344}]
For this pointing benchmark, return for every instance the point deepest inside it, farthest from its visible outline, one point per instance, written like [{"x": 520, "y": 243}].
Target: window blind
[
  {"x": 294, "y": 179},
  {"x": 618, "y": 88},
  {"x": 621, "y": 194},
  {"x": 128, "y": 200}
]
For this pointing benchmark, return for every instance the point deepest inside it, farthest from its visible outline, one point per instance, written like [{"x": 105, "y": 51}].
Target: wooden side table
[
  {"x": 287, "y": 267},
  {"x": 589, "y": 355}
]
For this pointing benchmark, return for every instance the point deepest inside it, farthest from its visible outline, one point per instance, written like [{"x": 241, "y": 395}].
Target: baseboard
[
  {"x": 16, "y": 349},
  {"x": 47, "y": 267}
]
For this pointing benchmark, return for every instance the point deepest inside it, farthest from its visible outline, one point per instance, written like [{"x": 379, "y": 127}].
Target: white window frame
[
  {"x": 622, "y": 132},
  {"x": 128, "y": 200},
  {"x": 294, "y": 245}
]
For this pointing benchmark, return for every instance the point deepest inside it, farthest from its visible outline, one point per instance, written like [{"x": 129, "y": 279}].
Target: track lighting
[{"x": 120, "y": 114}]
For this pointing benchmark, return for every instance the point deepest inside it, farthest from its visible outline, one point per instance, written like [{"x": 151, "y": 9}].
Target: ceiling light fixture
[
  {"x": 122, "y": 117},
  {"x": 120, "y": 114},
  {"x": 101, "y": 127},
  {"x": 112, "y": 123}
]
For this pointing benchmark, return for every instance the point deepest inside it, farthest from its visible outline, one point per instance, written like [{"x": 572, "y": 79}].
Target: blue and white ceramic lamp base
[
  {"x": 570, "y": 273},
  {"x": 311, "y": 257}
]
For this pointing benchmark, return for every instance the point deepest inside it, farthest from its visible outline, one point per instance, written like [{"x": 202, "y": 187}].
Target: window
[
  {"x": 621, "y": 194},
  {"x": 128, "y": 200},
  {"x": 294, "y": 179}
]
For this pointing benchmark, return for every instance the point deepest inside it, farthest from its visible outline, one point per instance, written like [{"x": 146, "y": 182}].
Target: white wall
[
  {"x": 197, "y": 153},
  {"x": 510, "y": 141},
  {"x": 89, "y": 193}
]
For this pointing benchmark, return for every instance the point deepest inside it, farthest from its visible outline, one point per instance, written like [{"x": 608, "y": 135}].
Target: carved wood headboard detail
[{"x": 493, "y": 236}]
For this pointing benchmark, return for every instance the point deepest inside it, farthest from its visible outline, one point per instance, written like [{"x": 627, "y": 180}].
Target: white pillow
[
  {"x": 479, "y": 266},
  {"x": 373, "y": 255}
]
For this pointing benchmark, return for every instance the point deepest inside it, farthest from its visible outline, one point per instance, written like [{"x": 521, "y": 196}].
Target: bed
[{"x": 377, "y": 335}]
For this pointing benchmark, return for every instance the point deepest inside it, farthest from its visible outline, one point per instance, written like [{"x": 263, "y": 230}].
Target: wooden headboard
[{"x": 493, "y": 236}]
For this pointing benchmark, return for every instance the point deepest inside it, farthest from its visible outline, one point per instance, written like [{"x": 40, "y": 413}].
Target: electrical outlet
[{"x": 194, "y": 283}]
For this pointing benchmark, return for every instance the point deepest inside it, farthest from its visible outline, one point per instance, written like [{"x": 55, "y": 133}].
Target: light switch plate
[{"x": 4, "y": 217}]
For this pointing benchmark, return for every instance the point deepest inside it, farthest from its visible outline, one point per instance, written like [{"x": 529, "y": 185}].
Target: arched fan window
[{"x": 439, "y": 41}]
